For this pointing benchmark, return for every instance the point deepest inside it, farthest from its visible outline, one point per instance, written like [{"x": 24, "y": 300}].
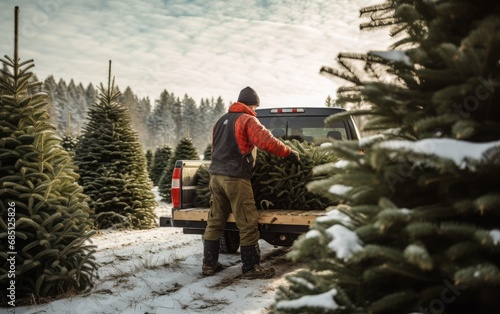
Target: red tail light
[{"x": 176, "y": 188}]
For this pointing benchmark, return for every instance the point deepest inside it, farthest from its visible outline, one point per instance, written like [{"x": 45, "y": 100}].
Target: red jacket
[{"x": 250, "y": 133}]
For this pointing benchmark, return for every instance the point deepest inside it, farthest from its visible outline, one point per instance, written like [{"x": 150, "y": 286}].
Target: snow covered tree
[
  {"x": 418, "y": 227},
  {"x": 112, "y": 166},
  {"x": 45, "y": 215},
  {"x": 160, "y": 162},
  {"x": 184, "y": 150}
]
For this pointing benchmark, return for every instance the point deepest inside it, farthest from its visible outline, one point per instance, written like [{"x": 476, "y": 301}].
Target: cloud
[{"x": 202, "y": 48}]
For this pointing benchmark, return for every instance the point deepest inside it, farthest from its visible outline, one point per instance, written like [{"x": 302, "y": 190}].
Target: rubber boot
[
  {"x": 211, "y": 263},
  {"x": 250, "y": 257}
]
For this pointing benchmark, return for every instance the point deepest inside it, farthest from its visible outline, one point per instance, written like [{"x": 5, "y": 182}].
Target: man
[{"x": 235, "y": 137}]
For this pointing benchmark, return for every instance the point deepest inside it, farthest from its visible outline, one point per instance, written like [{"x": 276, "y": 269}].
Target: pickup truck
[{"x": 277, "y": 227}]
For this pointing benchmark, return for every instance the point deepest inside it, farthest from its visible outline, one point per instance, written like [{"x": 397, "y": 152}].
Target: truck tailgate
[{"x": 281, "y": 217}]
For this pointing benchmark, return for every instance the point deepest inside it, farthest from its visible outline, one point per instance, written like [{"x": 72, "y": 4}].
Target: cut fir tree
[{"x": 277, "y": 183}]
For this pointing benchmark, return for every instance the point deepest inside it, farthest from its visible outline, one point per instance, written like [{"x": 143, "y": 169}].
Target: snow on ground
[{"x": 159, "y": 271}]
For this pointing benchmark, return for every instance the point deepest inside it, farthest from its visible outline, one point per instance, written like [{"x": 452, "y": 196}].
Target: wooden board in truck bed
[{"x": 283, "y": 217}]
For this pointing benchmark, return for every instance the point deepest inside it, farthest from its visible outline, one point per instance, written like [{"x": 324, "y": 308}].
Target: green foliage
[
  {"x": 45, "y": 215},
  {"x": 149, "y": 160},
  {"x": 202, "y": 183},
  {"x": 184, "y": 150},
  {"x": 160, "y": 163},
  {"x": 112, "y": 167},
  {"x": 428, "y": 224},
  {"x": 279, "y": 184},
  {"x": 207, "y": 154},
  {"x": 69, "y": 143}
]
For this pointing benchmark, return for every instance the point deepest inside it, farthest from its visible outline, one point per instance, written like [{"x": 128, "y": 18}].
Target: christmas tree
[
  {"x": 69, "y": 142},
  {"x": 112, "y": 166},
  {"x": 184, "y": 150},
  {"x": 279, "y": 184},
  {"x": 418, "y": 227},
  {"x": 160, "y": 162},
  {"x": 44, "y": 250},
  {"x": 149, "y": 160},
  {"x": 207, "y": 154}
]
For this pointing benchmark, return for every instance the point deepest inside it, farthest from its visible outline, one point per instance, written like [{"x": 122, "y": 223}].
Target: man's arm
[{"x": 259, "y": 136}]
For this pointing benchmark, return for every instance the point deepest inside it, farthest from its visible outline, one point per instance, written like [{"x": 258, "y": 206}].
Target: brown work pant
[{"x": 229, "y": 194}]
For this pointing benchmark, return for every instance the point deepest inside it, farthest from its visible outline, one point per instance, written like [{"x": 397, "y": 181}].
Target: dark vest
[{"x": 227, "y": 158}]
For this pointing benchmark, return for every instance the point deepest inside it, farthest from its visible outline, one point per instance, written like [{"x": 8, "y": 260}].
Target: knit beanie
[{"x": 249, "y": 97}]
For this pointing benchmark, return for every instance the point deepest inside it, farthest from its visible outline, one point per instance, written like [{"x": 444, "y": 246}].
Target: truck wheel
[{"x": 230, "y": 242}]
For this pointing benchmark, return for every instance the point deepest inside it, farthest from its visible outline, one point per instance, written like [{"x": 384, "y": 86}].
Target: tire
[{"x": 230, "y": 241}]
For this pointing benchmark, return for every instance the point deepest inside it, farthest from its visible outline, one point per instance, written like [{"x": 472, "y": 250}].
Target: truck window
[{"x": 306, "y": 128}]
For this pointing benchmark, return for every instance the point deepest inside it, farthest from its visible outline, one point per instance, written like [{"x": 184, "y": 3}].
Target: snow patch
[
  {"x": 405, "y": 211},
  {"x": 460, "y": 152},
  {"x": 335, "y": 215},
  {"x": 495, "y": 236},
  {"x": 341, "y": 164},
  {"x": 312, "y": 234},
  {"x": 393, "y": 56},
  {"x": 339, "y": 189},
  {"x": 303, "y": 282},
  {"x": 324, "y": 300},
  {"x": 345, "y": 242},
  {"x": 365, "y": 141},
  {"x": 413, "y": 249}
]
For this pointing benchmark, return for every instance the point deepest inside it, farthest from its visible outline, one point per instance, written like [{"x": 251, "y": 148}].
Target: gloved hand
[{"x": 293, "y": 157}]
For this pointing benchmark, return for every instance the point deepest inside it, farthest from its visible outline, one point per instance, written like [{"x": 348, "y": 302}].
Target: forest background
[{"x": 162, "y": 121}]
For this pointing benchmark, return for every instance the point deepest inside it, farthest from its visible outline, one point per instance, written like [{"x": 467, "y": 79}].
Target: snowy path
[{"x": 159, "y": 271}]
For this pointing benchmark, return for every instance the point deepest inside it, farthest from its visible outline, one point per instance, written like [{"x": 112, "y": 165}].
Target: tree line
[{"x": 163, "y": 121}]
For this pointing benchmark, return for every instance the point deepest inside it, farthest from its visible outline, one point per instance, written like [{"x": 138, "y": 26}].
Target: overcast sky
[{"x": 203, "y": 48}]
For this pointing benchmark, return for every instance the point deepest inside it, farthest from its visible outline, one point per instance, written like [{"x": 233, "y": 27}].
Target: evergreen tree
[
  {"x": 160, "y": 162},
  {"x": 90, "y": 95},
  {"x": 329, "y": 102},
  {"x": 69, "y": 143},
  {"x": 130, "y": 100},
  {"x": 279, "y": 184},
  {"x": 149, "y": 160},
  {"x": 160, "y": 123},
  {"x": 112, "y": 166},
  {"x": 49, "y": 87},
  {"x": 176, "y": 114},
  {"x": 45, "y": 215},
  {"x": 207, "y": 154},
  {"x": 185, "y": 150},
  {"x": 218, "y": 109},
  {"x": 61, "y": 103},
  {"x": 418, "y": 230},
  {"x": 204, "y": 134}
]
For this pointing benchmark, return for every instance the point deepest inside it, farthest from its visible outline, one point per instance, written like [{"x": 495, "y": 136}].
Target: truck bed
[{"x": 281, "y": 217}]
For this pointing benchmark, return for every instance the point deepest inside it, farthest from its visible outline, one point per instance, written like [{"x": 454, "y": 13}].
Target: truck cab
[{"x": 307, "y": 124}]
